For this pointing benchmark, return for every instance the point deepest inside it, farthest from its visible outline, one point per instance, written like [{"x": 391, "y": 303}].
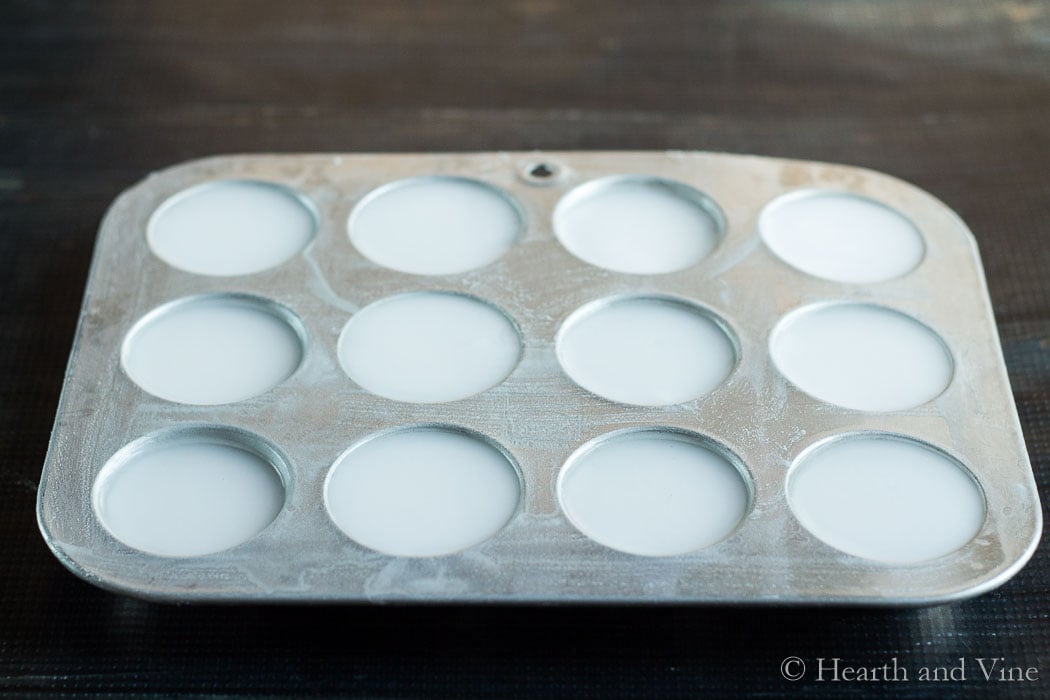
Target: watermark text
[{"x": 837, "y": 670}]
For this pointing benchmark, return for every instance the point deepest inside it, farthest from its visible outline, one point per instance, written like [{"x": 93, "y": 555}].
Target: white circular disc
[
  {"x": 886, "y": 498},
  {"x": 231, "y": 227},
  {"x": 638, "y": 225},
  {"x": 190, "y": 497},
  {"x": 863, "y": 357},
  {"x": 647, "y": 351},
  {"x": 422, "y": 492},
  {"x": 653, "y": 492},
  {"x": 429, "y": 347},
  {"x": 841, "y": 236},
  {"x": 435, "y": 225},
  {"x": 213, "y": 349}
]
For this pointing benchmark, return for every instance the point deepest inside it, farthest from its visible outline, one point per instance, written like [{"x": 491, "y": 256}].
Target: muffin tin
[{"x": 564, "y": 377}]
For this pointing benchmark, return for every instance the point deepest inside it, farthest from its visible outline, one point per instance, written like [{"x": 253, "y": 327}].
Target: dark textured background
[{"x": 952, "y": 96}]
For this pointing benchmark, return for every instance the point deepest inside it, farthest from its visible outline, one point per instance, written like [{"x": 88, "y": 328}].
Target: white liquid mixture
[
  {"x": 188, "y": 498},
  {"x": 212, "y": 350},
  {"x": 435, "y": 225},
  {"x": 863, "y": 357},
  {"x": 646, "y": 351},
  {"x": 429, "y": 347},
  {"x": 231, "y": 227},
  {"x": 841, "y": 237},
  {"x": 636, "y": 225},
  {"x": 422, "y": 492},
  {"x": 891, "y": 500},
  {"x": 653, "y": 493}
]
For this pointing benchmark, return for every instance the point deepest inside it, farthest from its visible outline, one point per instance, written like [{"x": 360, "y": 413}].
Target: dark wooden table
[{"x": 953, "y": 96}]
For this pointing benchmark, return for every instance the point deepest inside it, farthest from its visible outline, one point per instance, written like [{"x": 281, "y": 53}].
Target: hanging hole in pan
[{"x": 542, "y": 173}]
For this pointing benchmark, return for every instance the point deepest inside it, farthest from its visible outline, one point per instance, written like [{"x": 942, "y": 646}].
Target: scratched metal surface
[{"x": 538, "y": 414}]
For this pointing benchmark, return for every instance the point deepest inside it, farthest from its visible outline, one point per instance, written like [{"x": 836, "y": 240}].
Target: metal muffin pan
[{"x": 537, "y": 415}]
